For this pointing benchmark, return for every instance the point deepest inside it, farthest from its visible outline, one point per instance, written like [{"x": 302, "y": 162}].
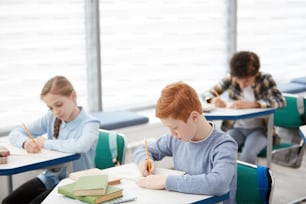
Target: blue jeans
[{"x": 252, "y": 141}]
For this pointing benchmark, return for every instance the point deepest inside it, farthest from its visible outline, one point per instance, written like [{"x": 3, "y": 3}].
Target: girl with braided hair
[{"x": 66, "y": 127}]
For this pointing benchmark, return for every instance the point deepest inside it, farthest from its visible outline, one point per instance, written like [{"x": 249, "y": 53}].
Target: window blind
[
  {"x": 38, "y": 40},
  {"x": 144, "y": 46},
  {"x": 148, "y": 44},
  {"x": 276, "y": 31}
]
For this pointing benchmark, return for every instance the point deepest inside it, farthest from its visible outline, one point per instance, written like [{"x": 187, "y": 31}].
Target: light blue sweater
[
  {"x": 78, "y": 136},
  {"x": 210, "y": 164}
]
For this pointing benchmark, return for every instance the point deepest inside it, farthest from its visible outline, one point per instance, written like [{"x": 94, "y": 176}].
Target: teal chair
[
  {"x": 288, "y": 117},
  {"x": 255, "y": 184},
  {"x": 110, "y": 149}
]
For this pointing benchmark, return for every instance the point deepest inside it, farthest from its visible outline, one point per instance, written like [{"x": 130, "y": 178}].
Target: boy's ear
[{"x": 194, "y": 115}]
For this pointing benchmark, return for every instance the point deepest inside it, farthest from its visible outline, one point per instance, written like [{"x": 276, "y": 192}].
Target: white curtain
[
  {"x": 38, "y": 40},
  {"x": 147, "y": 44},
  {"x": 276, "y": 31},
  {"x": 144, "y": 46}
]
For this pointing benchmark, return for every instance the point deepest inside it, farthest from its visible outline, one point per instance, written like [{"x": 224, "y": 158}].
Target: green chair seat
[{"x": 289, "y": 117}]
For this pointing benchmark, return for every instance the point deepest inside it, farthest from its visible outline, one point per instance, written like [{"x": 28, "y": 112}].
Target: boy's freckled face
[{"x": 178, "y": 128}]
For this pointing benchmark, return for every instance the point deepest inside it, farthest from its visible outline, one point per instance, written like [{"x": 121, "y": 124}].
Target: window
[
  {"x": 38, "y": 40},
  {"x": 144, "y": 46},
  {"x": 148, "y": 44},
  {"x": 276, "y": 31}
]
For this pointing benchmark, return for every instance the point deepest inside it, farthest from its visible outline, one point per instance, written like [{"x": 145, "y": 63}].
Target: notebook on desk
[
  {"x": 131, "y": 172},
  {"x": 126, "y": 197}
]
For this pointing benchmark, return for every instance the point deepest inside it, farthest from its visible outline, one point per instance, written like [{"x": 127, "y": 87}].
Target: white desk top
[
  {"x": 235, "y": 114},
  {"x": 21, "y": 161},
  {"x": 128, "y": 174}
]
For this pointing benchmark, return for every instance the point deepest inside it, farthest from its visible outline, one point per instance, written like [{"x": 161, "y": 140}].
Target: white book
[{"x": 112, "y": 180}]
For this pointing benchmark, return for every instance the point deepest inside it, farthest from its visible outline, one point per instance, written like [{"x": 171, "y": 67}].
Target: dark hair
[
  {"x": 58, "y": 85},
  {"x": 244, "y": 64}
]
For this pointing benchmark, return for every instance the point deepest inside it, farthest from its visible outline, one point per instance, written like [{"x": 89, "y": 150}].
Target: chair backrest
[
  {"x": 255, "y": 184},
  {"x": 104, "y": 157},
  {"x": 289, "y": 116}
]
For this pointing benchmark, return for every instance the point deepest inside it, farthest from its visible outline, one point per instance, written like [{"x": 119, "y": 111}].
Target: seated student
[
  {"x": 205, "y": 153},
  {"x": 69, "y": 129},
  {"x": 247, "y": 88}
]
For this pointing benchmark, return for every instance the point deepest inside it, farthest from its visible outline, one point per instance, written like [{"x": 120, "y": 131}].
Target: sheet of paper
[{"x": 131, "y": 172}]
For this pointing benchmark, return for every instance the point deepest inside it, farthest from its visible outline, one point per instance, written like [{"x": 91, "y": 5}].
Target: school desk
[
  {"x": 20, "y": 161},
  {"x": 237, "y": 114},
  {"x": 128, "y": 174}
]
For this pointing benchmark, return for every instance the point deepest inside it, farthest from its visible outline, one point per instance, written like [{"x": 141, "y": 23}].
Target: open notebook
[
  {"x": 131, "y": 172},
  {"x": 126, "y": 171},
  {"x": 126, "y": 197}
]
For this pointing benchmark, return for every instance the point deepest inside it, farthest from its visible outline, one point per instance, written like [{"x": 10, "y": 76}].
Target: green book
[
  {"x": 91, "y": 185},
  {"x": 112, "y": 192}
]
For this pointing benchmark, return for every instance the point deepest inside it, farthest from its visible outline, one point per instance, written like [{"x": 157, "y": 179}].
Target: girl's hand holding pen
[{"x": 31, "y": 146}]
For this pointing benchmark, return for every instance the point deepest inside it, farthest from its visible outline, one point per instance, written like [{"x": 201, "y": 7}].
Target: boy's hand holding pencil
[
  {"x": 147, "y": 166},
  {"x": 143, "y": 168}
]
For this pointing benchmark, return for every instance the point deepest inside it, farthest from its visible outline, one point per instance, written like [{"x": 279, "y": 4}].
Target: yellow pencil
[
  {"x": 29, "y": 133},
  {"x": 216, "y": 93},
  {"x": 147, "y": 154}
]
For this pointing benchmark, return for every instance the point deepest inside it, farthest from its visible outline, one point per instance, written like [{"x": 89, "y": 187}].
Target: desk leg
[
  {"x": 270, "y": 139},
  {"x": 10, "y": 183}
]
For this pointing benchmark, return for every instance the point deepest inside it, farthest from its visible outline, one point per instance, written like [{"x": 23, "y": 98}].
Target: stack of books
[
  {"x": 91, "y": 189},
  {"x": 4, "y": 153},
  {"x": 112, "y": 180}
]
